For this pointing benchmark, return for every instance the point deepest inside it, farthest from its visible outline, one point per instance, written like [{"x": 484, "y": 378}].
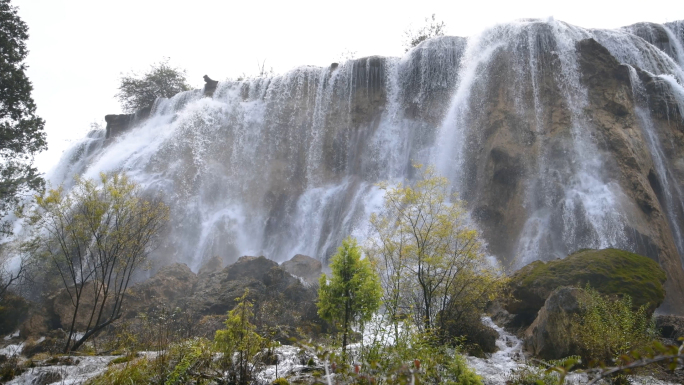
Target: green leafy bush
[
  {"x": 532, "y": 375},
  {"x": 461, "y": 373},
  {"x": 190, "y": 358},
  {"x": 182, "y": 363},
  {"x": 122, "y": 359},
  {"x": 141, "y": 371},
  {"x": 607, "y": 328},
  {"x": 413, "y": 357}
]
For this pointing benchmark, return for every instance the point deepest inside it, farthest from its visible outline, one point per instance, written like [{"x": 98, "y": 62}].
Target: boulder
[
  {"x": 464, "y": 325},
  {"x": 250, "y": 267},
  {"x": 609, "y": 271},
  {"x": 35, "y": 325},
  {"x": 170, "y": 288},
  {"x": 46, "y": 377},
  {"x": 478, "y": 339},
  {"x": 670, "y": 326},
  {"x": 502, "y": 317},
  {"x": 212, "y": 265},
  {"x": 549, "y": 335},
  {"x": 216, "y": 293},
  {"x": 305, "y": 267},
  {"x": 278, "y": 297},
  {"x": 60, "y": 307}
]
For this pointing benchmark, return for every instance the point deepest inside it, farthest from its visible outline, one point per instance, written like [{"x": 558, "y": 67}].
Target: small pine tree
[
  {"x": 353, "y": 292},
  {"x": 240, "y": 340}
]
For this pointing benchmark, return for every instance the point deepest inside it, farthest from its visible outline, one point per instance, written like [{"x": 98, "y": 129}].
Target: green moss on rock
[{"x": 609, "y": 271}]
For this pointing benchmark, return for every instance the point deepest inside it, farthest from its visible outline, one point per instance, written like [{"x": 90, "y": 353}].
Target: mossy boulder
[{"x": 609, "y": 271}]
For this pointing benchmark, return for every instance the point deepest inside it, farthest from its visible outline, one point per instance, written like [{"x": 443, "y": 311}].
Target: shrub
[
  {"x": 141, "y": 371},
  {"x": 461, "y": 373},
  {"x": 9, "y": 367},
  {"x": 607, "y": 328},
  {"x": 414, "y": 354},
  {"x": 532, "y": 375},
  {"x": 13, "y": 310},
  {"x": 122, "y": 359},
  {"x": 182, "y": 363},
  {"x": 190, "y": 358},
  {"x": 431, "y": 28}
]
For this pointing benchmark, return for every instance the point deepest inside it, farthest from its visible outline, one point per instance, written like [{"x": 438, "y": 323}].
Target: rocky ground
[{"x": 532, "y": 323}]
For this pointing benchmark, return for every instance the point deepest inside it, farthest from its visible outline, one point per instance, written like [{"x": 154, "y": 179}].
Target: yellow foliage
[
  {"x": 98, "y": 233},
  {"x": 427, "y": 255}
]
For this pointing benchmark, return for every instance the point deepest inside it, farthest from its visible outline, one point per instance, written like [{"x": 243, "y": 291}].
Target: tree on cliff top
[
  {"x": 21, "y": 131},
  {"x": 432, "y": 28},
  {"x": 95, "y": 237},
  {"x": 352, "y": 294},
  {"x": 161, "y": 81}
]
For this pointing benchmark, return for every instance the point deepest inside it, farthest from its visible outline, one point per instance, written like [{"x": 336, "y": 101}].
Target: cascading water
[
  {"x": 288, "y": 164},
  {"x": 668, "y": 37},
  {"x": 670, "y": 189}
]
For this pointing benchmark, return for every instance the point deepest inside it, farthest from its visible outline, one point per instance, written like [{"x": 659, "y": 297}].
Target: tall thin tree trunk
[{"x": 346, "y": 328}]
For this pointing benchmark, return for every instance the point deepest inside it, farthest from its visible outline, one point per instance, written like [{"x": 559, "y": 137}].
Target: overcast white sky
[{"x": 79, "y": 48}]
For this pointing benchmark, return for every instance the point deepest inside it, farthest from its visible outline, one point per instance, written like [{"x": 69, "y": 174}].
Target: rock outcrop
[
  {"x": 550, "y": 335},
  {"x": 609, "y": 271},
  {"x": 477, "y": 339},
  {"x": 305, "y": 267},
  {"x": 278, "y": 297},
  {"x": 117, "y": 124},
  {"x": 659, "y": 36},
  {"x": 670, "y": 326},
  {"x": 169, "y": 288},
  {"x": 209, "y": 86},
  {"x": 60, "y": 307}
]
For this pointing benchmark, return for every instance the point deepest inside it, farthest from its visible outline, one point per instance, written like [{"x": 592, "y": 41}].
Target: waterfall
[
  {"x": 669, "y": 187},
  {"x": 289, "y": 164}
]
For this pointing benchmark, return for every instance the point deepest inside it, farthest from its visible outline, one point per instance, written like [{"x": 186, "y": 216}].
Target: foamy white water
[{"x": 288, "y": 164}]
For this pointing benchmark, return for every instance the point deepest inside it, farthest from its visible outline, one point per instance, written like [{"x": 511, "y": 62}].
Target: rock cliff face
[
  {"x": 278, "y": 297},
  {"x": 558, "y": 137}
]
